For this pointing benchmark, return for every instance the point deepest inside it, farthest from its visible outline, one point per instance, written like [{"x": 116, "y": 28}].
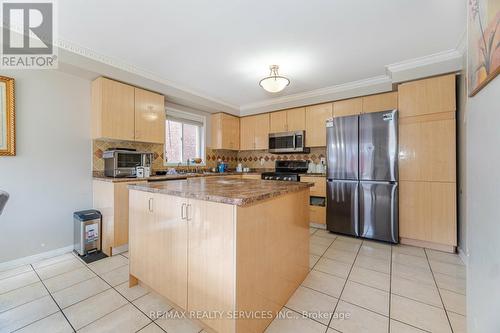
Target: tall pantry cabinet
[{"x": 427, "y": 163}]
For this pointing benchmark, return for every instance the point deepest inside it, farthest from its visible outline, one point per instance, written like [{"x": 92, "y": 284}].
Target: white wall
[
  {"x": 51, "y": 175},
  {"x": 483, "y": 210}
]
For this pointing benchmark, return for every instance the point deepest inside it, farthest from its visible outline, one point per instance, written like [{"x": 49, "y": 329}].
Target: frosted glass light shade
[{"x": 274, "y": 82}]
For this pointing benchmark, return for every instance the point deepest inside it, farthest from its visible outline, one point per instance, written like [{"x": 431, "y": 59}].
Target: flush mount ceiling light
[{"x": 274, "y": 82}]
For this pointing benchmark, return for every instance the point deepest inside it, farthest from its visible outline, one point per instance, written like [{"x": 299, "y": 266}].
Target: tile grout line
[
  {"x": 152, "y": 321},
  {"x": 111, "y": 287},
  {"x": 52, "y": 297},
  {"x": 347, "y": 279},
  {"x": 439, "y": 292}
]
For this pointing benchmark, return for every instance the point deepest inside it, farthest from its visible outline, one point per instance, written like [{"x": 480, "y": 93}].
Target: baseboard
[
  {"x": 428, "y": 245},
  {"x": 34, "y": 258},
  {"x": 120, "y": 249},
  {"x": 463, "y": 256},
  {"x": 317, "y": 225}
]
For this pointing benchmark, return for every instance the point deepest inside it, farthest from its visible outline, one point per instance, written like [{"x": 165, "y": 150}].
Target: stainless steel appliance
[
  {"x": 287, "y": 170},
  {"x": 287, "y": 142},
  {"x": 362, "y": 173},
  {"x": 87, "y": 231},
  {"x": 123, "y": 163}
]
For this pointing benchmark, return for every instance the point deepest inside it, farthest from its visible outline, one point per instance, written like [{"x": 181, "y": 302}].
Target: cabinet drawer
[
  {"x": 317, "y": 214},
  {"x": 319, "y": 188}
]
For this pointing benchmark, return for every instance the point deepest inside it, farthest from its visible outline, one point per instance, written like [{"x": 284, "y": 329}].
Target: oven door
[
  {"x": 128, "y": 160},
  {"x": 287, "y": 142}
]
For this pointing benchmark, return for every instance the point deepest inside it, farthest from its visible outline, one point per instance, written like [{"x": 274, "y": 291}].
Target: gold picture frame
[{"x": 7, "y": 117}]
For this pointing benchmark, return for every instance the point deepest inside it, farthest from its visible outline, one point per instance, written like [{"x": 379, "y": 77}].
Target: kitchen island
[{"x": 228, "y": 251}]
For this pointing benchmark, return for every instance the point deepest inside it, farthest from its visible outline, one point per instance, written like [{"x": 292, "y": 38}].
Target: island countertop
[{"x": 240, "y": 192}]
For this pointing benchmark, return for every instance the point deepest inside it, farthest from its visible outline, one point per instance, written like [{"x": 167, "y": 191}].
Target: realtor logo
[{"x": 28, "y": 35}]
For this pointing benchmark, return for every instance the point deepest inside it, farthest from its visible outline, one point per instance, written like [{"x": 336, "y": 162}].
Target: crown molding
[
  {"x": 95, "y": 64},
  {"x": 368, "y": 86},
  {"x": 430, "y": 65}
]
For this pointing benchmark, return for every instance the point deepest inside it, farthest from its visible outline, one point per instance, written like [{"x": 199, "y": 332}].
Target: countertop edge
[{"x": 221, "y": 199}]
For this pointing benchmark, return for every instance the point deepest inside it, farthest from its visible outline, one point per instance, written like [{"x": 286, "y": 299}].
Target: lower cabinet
[
  {"x": 181, "y": 247},
  {"x": 159, "y": 248},
  {"x": 112, "y": 200},
  {"x": 427, "y": 212},
  {"x": 317, "y": 200}
]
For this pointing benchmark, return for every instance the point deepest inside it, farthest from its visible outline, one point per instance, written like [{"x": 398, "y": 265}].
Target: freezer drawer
[
  {"x": 342, "y": 207},
  {"x": 342, "y": 148},
  {"x": 378, "y": 210},
  {"x": 378, "y": 146}
]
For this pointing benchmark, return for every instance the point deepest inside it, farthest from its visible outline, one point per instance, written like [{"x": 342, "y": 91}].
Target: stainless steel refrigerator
[{"x": 362, "y": 187}]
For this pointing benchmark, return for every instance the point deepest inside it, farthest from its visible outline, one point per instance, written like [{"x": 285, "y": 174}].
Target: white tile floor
[{"x": 353, "y": 286}]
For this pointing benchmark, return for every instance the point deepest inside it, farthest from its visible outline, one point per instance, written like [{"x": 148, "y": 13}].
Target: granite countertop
[
  {"x": 240, "y": 192},
  {"x": 100, "y": 176}
]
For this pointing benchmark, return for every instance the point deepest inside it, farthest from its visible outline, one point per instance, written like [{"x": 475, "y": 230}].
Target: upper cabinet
[
  {"x": 112, "y": 110},
  {"x": 225, "y": 131},
  {"x": 316, "y": 117},
  {"x": 296, "y": 119},
  {"x": 380, "y": 102},
  {"x": 287, "y": 120},
  {"x": 254, "y": 132},
  {"x": 149, "y": 116},
  {"x": 427, "y": 96},
  {"x": 277, "y": 122},
  {"x": 348, "y": 107},
  {"x": 123, "y": 112}
]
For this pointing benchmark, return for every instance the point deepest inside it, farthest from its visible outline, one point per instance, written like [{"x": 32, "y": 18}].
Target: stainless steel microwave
[
  {"x": 287, "y": 142},
  {"x": 123, "y": 163}
]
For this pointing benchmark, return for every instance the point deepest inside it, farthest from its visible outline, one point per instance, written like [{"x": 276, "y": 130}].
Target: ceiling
[{"x": 221, "y": 49}]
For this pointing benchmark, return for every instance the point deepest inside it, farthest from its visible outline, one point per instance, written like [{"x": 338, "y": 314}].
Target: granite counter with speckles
[{"x": 240, "y": 192}]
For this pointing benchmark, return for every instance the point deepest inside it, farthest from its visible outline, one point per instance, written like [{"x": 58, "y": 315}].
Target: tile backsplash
[
  {"x": 255, "y": 159},
  {"x": 260, "y": 159},
  {"x": 99, "y": 146}
]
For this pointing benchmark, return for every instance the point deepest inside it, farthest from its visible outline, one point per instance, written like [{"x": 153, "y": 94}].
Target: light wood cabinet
[
  {"x": 149, "y": 116},
  {"x": 316, "y": 117},
  {"x": 254, "y": 132},
  {"x": 123, "y": 112},
  {"x": 225, "y": 131},
  {"x": 112, "y": 200},
  {"x": 428, "y": 212},
  {"x": 380, "y": 102},
  {"x": 277, "y": 122},
  {"x": 348, "y": 107},
  {"x": 158, "y": 251},
  {"x": 112, "y": 110},
  {"x": 261, "y": 131},
  {"x": 255, "y": 177},
  {"x": 427, "y": 96},
  {"x": 427, "y": 163},
  {"x": 427, "y": 148},
  {"x": 287, "y": 120},
  {"x": 296, "y": 119},
  {"x": 317, "y": 214},
  {"x": 215, "y": 257}
]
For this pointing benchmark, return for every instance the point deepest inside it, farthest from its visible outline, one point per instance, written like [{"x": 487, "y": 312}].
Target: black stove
[{"x": 287, "y": 171}]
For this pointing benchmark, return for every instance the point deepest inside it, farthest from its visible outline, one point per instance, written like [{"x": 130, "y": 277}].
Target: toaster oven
[{"x": 123, "y": 163}]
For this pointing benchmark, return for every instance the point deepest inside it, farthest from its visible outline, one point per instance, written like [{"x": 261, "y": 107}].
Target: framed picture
[
  {"x": 484, "y": 43},
  {"x": 7, "y": 117}
]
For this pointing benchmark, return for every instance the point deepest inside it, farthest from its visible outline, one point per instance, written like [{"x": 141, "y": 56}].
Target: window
[{"x": 184, "y": 137}]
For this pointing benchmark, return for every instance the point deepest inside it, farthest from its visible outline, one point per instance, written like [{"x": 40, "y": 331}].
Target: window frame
[{"x": 186, "y": 118}]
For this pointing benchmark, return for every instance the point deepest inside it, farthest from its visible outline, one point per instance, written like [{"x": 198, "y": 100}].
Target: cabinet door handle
[
  {"x": 150, "y": 204},
  {"x": 183, "y": 206},
  {"x": 187, "y": 212}
]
